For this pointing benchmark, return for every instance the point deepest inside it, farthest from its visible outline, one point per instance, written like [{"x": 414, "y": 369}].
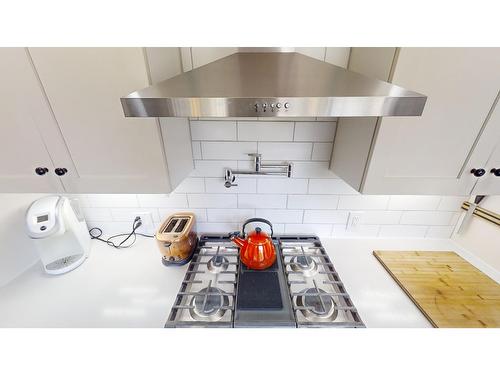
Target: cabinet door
[
  {"x": 25, "y": 117},
  {"x": 430, "y": 154},
  {"x": 105, "y": 152},
  {"x": 489, "y": 184}
]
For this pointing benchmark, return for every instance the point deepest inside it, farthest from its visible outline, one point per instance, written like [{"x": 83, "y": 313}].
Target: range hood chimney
[{"x": 272, "y": 84}]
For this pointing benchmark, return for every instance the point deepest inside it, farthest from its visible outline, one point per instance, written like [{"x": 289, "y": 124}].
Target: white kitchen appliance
[{"x": 59, "y": 232}]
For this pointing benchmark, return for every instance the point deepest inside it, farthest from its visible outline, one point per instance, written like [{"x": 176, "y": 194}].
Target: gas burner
[
  {"x": 304, "y": 264},
  {"x": 218, "y": 264},
  {"x": 208, "y": 305},
  {"x": 318, "y": 307}
]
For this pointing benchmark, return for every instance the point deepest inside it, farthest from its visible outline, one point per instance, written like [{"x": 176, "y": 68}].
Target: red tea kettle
[{"x": 257, "y": 249}]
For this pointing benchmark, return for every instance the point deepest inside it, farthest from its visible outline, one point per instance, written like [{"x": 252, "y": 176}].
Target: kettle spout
[{"x": 237, "y": 240}]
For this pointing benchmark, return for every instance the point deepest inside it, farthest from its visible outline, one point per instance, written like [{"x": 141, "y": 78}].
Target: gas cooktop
[{"x": 301, "y": 289}]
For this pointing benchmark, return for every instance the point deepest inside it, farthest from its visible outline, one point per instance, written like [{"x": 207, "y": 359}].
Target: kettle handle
[{"x": 256, "y": 219}]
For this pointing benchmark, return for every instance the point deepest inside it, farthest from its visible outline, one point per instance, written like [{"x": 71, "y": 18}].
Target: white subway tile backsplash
[
  {"x": 280, "y": 216},
  {"x": 285, "y": 151},
  {"x": 325, "y": 216},
  {"x": 322, "y": 151},
  {"x": 110, "y": 228},
  {"x": 340, "y": 230},
  {"x": 282, "y": 185},
  {"x": 277, "y": 228},
  {"x": 162, "y": 200},
  {"x": 402, "y": 231},
  {"x": 363, "y": 202},
  {"x": 200, "y": 213},
  {"x": 381, "y": 217},
  {"x": 451, "y": 203},
  {"x": 440, "y": 231},
  {"x": 455, "y": 218},
  {"x": 330, "y": 186},
  {"x": 212, "y": 200},
  {"x": 191, "y": 185},
  {"x": 113, "y": 200},
  {"x": 245, "y": 185},
  {"x": 97, "y": 213},
  {"x": 228, "y": 150},
  {"x": 317, "y": 229},
  {"x": 196, "y": 148},
  {"x": 213, "y": 130},
  {"x": 229, "y": 215},
  {"x": 315, "y": 131},
  {"x": 212, "y": 168},
  {"x": 312, "y": 169},
  {"x": 427, "y": 217},
  {"x": 313, "y": 201},
  {"x": 217, "y": 227},
  {"x": 265, "y": 131},
  {"x": 413, "y": 202},
  {"x": 129, "y": 214},
  {"x": 262, "y": 200}
]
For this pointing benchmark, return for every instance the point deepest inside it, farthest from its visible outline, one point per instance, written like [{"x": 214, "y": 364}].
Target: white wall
[
  {"x": 481, "y": 237},
  {"x": 16, "y": 251}
]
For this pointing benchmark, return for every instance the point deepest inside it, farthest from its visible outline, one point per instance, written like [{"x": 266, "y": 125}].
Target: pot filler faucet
[{"x": 268, "y": 169}]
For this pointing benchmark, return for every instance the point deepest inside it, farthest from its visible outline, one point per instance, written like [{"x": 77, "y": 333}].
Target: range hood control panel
[{"x": 273, "y": 107}]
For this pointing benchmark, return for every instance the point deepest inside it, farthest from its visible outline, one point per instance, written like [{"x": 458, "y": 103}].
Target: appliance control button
[
  {"x": 278, "y": 105},
  {"x": 287, "y": 105}
]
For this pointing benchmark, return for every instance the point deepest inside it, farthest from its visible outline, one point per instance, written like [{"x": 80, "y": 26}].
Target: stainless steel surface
[
  {"x": 272, "y": 84},
  {"x": 208, "y": 305},
  {"x": 207, "y": 298},
  {"x": 315, "y": 295},
  {"x": 304, "y": 264},
  {"x": 318, "y": 295},
  {"x": 318, "y": 305},
  {"x": 217, "y": 264},
  {"x": 284, "y": 169}
]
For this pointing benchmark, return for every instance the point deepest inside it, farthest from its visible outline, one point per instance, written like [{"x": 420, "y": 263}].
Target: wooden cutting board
[{"x": 448, "y": 290}]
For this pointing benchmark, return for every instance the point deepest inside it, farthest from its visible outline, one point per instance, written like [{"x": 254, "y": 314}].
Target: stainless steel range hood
[{"x": 272, "y": 84}]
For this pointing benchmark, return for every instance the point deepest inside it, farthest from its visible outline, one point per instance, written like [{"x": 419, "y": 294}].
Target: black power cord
[{"x": 135, "y": 225}]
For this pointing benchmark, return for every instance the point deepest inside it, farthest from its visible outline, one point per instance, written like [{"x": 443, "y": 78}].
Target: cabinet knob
[
  {"x": 60, "y": 171},
  {"x": 496, "y": 171},
  {"x": 41, "y": 171},
  {"x": 478, "y": 172}
]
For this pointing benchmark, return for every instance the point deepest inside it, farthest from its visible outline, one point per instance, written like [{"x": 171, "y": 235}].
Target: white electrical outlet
[
  {"x": 147, "y": 226},
  {"x": 354, "y": 221}
]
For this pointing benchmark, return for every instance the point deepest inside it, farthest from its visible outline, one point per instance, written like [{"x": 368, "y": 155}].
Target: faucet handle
[
  {"x": 255, "y": 155},
  {"x": 229, "y": 178}
]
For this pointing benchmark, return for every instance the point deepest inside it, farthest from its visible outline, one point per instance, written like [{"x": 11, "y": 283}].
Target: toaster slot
[
  {"x": 181, "y": 225},
  {"x": 171, "y": 225}
]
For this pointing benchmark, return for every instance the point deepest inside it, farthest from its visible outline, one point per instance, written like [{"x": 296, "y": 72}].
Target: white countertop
[{"x": 131, "y": 287}]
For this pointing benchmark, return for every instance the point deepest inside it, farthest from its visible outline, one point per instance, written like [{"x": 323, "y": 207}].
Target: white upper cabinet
[
  {"x": 61, "y": 111},
  {"x": 106, "y": 152},
  {"x": 25, "y": 120},
  {"x": 489, "y": 183},
  {"x": 434, "y": 153}
]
